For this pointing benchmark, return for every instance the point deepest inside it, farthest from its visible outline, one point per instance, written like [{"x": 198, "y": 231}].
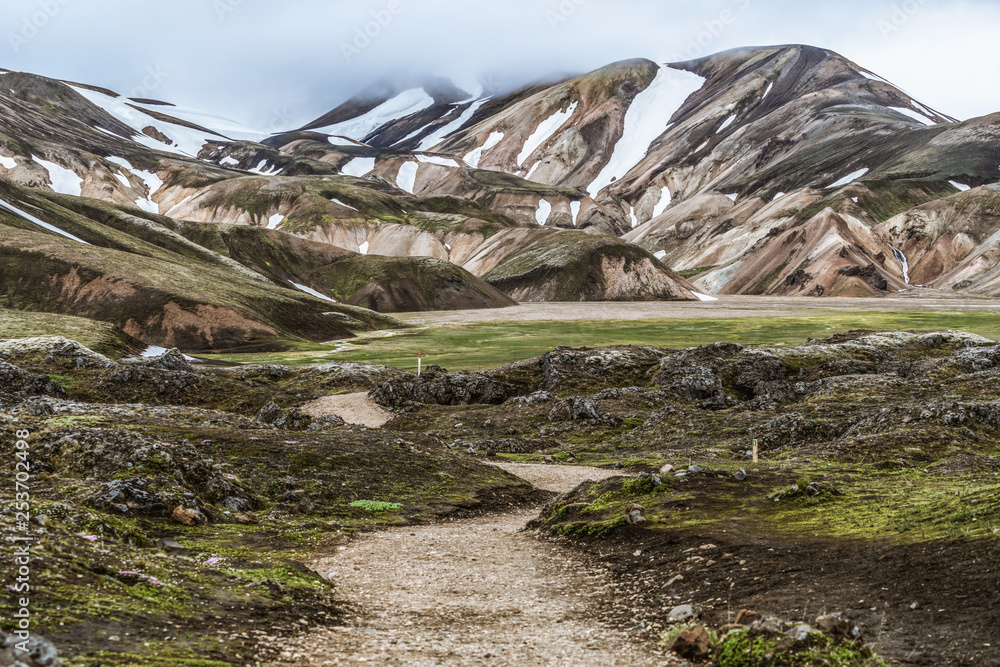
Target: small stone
[
  {"x": 746, "y": 617},
  {"x": 673, "y": 580},
  {"x": 835, "y": 626},
  {"x": 692, "y": 644},
  {"x": 618, "y": 466},
  {"x": 695, "y": 468},
  {"x": 635, "y": 514},
  {"x": 187, "y": 516},
  {"x": 681, "y": 613},
  {"x": 246, "y": 518},
  {"x": 667, "y": 469},
  {"x": 740, "y": 475}
]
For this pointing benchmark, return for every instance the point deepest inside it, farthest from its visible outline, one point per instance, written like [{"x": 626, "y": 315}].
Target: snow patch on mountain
[
  {"x": 434, "y": 159},
  {"x": 152, "y": 181},
  {"x": 405, "y": 104},
  {"x": 358, "y": 167},
  {"x": 64, "y": 181},
  {"x": 542, "y": 214},
  {"x": 363, "y": 248},
  {"x": 454, "y": 126},
  {"x": 406, "y": 178},
  {"x": 229, "y": 161},
  {"x": 915, "y": 115},
  {"x": 309, "y": 290},
  {"x": 726, "y": 123},
  {"x": 665, "y": 199},
  {"x": 704, "y": 297},
  {"x": 646, "y": 119},
  {"x": 274, "y": 221},
  {"x": 264, "y": 170},
  {"x": 186, "y": 141},
  {"x": 545, "y": 130},
  {"x": 574, "y": 208},
  {"x": 959, "y": 186},
  {"x": 8, "y": 162},
  {"x": 224, "y": 126},
  {"x": 340, "y": 203},
  {"x": 473, "y": 157},
  {"x": 850, "y": 178},
  {"x": 40, "y": 223}
]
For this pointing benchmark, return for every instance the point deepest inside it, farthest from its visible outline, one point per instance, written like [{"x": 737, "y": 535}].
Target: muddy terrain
[{"x": 190, "y": 514}]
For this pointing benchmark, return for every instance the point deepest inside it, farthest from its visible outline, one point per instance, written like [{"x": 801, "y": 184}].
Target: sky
[{"x": 277, "y": 65}]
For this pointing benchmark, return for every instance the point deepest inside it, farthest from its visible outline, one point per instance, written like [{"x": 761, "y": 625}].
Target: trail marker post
[
  {"x": 420, "y": 363},
  {"x": 755, "y": 451}
]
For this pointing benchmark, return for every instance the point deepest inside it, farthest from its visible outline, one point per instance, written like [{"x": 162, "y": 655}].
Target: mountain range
[{"x": 785, "y": 170}]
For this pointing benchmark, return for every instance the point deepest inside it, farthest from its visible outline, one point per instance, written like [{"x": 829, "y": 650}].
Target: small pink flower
[
  {"x": 212, "y": 560},
  {"x": 92, "y": 538},
  {"x": 291, "y": 442}
]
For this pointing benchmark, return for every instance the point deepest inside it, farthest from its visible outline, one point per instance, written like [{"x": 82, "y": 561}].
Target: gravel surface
[
  {"x": 471, "y": 592},
  {"x": 353, "y": 408}
]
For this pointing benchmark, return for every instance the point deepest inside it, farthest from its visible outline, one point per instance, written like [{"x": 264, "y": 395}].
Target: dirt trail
[{"x": 470, "y": 592}]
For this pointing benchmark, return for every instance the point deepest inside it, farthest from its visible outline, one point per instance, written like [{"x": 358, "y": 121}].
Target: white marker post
[
  {"x": 755, "y": 451},
  {"x": 419, "y": 364}
]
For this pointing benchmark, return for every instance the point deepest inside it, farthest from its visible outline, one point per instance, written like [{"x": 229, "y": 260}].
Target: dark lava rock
[
  {"x": 129, "y": 495},
  {"x": 692, "y": 644}
]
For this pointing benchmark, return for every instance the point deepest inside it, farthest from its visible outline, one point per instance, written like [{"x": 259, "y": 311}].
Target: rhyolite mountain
[{"x": 778, "y": 170}]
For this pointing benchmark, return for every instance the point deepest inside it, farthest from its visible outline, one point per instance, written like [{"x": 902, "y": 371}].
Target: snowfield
[
  {"x": 647, "y": 118},
  {"x": 405, "y": 104},
  {"x": 545, "y": 131}
]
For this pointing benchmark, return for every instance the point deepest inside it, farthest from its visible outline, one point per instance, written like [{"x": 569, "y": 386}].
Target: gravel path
[{"x": 470, "y": 592}]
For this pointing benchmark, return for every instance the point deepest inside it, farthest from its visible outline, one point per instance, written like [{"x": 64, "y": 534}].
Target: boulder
[
  {"x": 41, "y": 652},
  {"x": 693, "y": 644},
  {"x": 681, "y": 613},
  {"x": 575, "y": 409},
  {"x": 188, "y": 516}
]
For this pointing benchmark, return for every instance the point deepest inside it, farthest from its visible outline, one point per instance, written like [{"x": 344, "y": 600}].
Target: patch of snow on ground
[
  {"x": 434, "y": 159},
  {"x": 64, "y": 181},
  {"x": 703, "y": 144},
  {"x": 778, "y": 196},
  {"x": 40, "y": 223},
  {"x": 124, "y": 180},
  {"x": 854, "y": 199},
  {"x": 358, "y": 167},
  {"x": 363, "y": 248},
  {"x": 664, "y": 202},
  {"x": 545, "y": 130},
  {"x": 767, "y": 92},
  {"x": 910, "y": 113},
  {"x": 156, "y": 350},
  {"x": 531, "y": 172},
  {"x": 574, "y": 208},
  {"x": 309, "y": 290},
  {"x": 850, "y": 178},
  {"x": 224, "y": 126},
  {"x": 405, "y": 104},
  {"x": 152, "y": 181},
  {"x": 406, "y": 178},
  {"x": 264, "y": 170},
  {"x": 454, "y": 126},
  {"x": 660, "y": 254},
  {"x": 274, "y": 221},
  {"x": 343, "y": 141},
  {"x": 646, "y": 119},
  {"x": 960, "y": 186},
  {"x": 704, "y": 297},
  {"x": 340, "y": 203},
  {"x": 633, "y": 217},
  {"x": 8, "y": 162},
  {"x": 186, "y": 140},
  {"x": 474, "y": 156},
  {"x": 229, "y": 161},
  {"x": 726, "y": 123},
  {"x": 734, "y": 196},
  {"x": 542, "y": 214}
]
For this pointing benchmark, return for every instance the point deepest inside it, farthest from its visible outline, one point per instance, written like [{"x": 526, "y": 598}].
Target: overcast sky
[{"x": 279, "y": 64}]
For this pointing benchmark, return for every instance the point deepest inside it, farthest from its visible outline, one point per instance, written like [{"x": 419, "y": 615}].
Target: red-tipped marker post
[{"x": 419, "y": 363}]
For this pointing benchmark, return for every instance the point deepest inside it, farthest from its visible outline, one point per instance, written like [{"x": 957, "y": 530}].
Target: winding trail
[{"x": 470, "y": 592}]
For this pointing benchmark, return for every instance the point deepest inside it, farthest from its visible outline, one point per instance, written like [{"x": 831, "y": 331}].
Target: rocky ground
[{"x": 178, "y": 512}]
